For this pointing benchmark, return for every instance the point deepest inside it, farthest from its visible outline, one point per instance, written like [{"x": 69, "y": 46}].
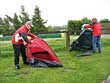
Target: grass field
[{"x": 88, "y": 69}]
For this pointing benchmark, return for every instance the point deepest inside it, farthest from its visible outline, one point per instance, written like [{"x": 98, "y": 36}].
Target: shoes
[
  {"x": 26, "y": 63},
  {"x": 17, "y": 67},
  {"x": 100, "y": 52}
]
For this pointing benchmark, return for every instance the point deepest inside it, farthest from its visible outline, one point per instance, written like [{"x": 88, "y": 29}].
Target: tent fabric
[
  {"x": 84, "y": 41},
  {"x": 40, "y": 54}
]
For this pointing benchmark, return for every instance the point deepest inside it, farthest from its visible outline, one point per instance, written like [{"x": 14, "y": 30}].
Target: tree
[
  {"x": 104, "y": 21},
  {"x": 15, "y": 21},
  {"x": 57, "y": 28},
  {"x": 38, "y": 22},
  {"x": 20, "y": 20},
  {"x": 24, "y": 17},
  {"x": 50, "y": 28},
  {"x": 74, "y": 25},
  {"x": 70, "y": 25},
  {"x": 6, "y": 30},
  {"x": 77, "y": 24},
  {"x": 1, "y": 25},
  {"x": 85, "y": 20}
]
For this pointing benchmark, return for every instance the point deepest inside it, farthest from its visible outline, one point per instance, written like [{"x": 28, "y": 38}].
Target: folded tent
[{"x": 84, "y": 41}]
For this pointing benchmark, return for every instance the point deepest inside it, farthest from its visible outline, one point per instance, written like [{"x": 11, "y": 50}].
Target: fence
[
  {"x": 66, "y": 32},
  {"x": 67, "y": 35}
]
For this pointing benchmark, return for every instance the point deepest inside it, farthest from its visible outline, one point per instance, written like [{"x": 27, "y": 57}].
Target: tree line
[
  {"x": 76, "y": 24},
  {"x": 8, "y": 24}
]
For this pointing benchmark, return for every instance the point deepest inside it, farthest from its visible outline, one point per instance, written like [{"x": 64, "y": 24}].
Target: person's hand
[
  {"x": 31, "y": 41},
  {"x": 25, "y": 44},
  {"x": 84, "y": 25}
]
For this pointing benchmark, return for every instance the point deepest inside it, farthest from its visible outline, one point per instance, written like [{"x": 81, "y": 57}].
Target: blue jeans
[{"x": 96, "y": 43}]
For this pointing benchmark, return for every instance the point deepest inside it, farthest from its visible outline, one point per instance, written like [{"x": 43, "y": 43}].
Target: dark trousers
[{"x": 19, "y": 48}]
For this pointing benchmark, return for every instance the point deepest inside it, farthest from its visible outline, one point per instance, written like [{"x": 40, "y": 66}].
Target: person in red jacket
[
  {"x": 19, "y": 38},
  {"x": 96, "y": 32}
]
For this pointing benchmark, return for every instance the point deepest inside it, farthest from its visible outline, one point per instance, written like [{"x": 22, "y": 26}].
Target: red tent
[{"x": 40, "y": 54}]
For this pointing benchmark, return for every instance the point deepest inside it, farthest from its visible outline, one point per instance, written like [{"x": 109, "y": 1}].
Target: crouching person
[{"x": 18, "y": 39}]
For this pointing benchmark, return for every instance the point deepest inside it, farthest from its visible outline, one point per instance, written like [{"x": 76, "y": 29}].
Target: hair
[{"x": 28, "y": 22}]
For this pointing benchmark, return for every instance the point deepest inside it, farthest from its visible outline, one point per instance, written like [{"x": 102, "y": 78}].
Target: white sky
[{"x": 58, "y": 12}]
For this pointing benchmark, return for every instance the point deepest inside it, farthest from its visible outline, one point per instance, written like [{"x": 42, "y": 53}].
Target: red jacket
[
  {"x": 96, "y": 27},
  {"x": 22, "y": 29}
]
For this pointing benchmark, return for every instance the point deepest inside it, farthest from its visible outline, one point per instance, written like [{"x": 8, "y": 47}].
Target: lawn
[{"x": 88, "y": 69}]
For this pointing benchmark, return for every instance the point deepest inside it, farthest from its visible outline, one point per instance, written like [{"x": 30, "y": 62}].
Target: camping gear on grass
[
  {"x": 84, "y": 54},
  {"x": 40, "y": 54},
  {"x": 84, "y": 42}
]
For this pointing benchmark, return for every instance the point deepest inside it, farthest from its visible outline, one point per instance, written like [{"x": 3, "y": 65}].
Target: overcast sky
[{"x": 58, "y": 12}]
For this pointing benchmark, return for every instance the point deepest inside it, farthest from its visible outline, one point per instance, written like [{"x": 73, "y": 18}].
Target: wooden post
[
  {"x": 67, "y": 36},
  {"x": 67, "y": 39}
]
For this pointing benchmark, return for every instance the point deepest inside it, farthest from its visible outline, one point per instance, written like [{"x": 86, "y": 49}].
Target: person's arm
[
  {"x": 24, "y": 36},
  {"x": 32, "y": 35},
  {"x": 88, "y": 26}
]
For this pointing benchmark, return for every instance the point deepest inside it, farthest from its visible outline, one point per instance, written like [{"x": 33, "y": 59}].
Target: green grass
[{"x": 88, "y": 69}]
